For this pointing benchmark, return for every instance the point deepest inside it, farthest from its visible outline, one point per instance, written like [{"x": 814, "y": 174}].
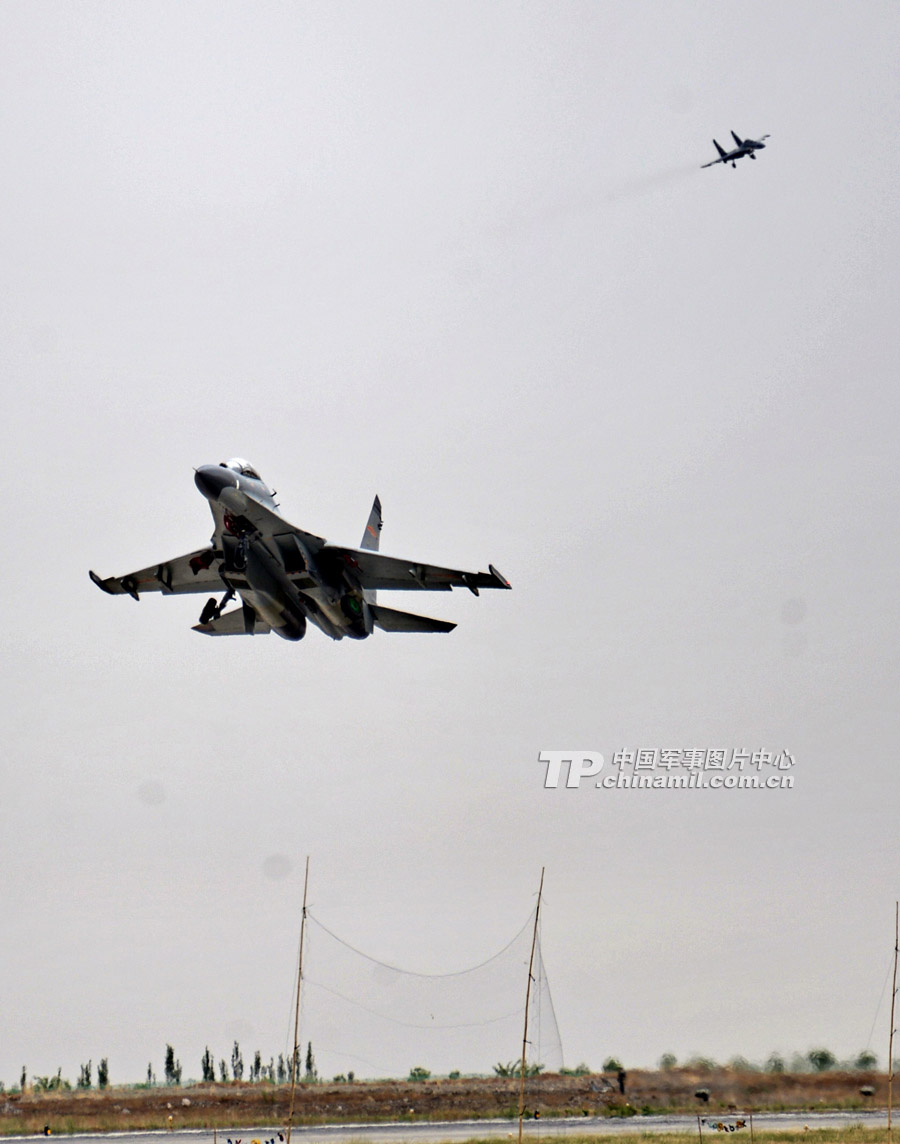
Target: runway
[{"x": 452, "y": 1132}]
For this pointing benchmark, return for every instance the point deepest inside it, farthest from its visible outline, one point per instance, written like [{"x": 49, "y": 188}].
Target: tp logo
[{"x": 582, "y": 764}]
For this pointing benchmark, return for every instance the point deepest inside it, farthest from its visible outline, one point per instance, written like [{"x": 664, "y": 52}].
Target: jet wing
[
  {"x": 712, "y": 164},
  {"x": 373, "y": 570},
  {"x": 196, "y": 572}
]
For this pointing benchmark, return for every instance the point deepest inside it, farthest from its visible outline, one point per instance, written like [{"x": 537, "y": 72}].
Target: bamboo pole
[
  {"x": 893, "y": 1002},
  {"x": 295, "y": 1055},
  {"x": 537, "y": 914}
]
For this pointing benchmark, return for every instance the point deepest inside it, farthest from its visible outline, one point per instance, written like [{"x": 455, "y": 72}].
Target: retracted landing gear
[{"x": 212, "y": 610}]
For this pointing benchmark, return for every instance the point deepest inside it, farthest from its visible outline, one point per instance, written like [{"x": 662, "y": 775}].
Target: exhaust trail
[
  {"x": 645, "y": 185},
  {"x": 619, "y": 192}
]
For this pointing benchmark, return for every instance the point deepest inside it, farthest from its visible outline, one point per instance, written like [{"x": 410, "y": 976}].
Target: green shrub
[{"x": 821, "y": 1059}]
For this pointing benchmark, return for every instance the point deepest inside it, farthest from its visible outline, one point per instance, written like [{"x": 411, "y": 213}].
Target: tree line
[
  {"x": 816, "y": 1060},
  {"x": 274, "y": 1072},
  {"x": 278, "y": 1070}
]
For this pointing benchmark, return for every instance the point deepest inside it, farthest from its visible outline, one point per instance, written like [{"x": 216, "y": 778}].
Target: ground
[{"x": 236, "y": 1105}]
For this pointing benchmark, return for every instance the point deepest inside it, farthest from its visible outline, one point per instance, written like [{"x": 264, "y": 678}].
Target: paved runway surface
[{"x": 459, "y": 1130}]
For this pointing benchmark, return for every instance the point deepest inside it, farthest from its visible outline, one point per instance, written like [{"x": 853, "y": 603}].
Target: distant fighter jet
[
  {"x": 744, "y": 147},
  {"x": 285, "y": 576}
]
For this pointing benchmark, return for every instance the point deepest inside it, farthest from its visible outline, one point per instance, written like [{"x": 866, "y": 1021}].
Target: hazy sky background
[{"x": 461, "y": 254}]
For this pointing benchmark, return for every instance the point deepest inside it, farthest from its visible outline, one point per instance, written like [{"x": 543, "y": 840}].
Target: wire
[
  {"x": 880, "y": 999},
  {"x": 412, "y": 973},
  {"x": 412, "y": 1024}
]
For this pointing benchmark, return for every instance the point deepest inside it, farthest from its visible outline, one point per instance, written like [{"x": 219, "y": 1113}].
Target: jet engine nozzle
[{"x": 212, "y": 480}]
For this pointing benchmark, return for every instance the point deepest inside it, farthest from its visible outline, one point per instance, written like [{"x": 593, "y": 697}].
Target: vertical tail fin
[
  {"x": 737, "y": 139},
  {"x": 371, "y": 539},
  {"x": 721, "y": 150},
  {"x": 372, "y": 535}
]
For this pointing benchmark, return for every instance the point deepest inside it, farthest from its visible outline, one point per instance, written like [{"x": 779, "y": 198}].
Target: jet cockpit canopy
[{"x": 239, "y": 465}]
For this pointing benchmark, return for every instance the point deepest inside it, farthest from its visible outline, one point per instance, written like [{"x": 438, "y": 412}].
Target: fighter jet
[
  {"x": 286, "y": 577},
  {"x": 744, "y": 147}
]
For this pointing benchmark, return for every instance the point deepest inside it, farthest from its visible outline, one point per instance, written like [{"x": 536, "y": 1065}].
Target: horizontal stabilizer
[
  {"x": 390, "y": 620},
  {"x": 238, "y": 622}
]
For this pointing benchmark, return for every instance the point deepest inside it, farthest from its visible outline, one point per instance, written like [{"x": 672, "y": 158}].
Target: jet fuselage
[
  {"x": 264, "y": 568},
  {"x": 743, "y": 147}
]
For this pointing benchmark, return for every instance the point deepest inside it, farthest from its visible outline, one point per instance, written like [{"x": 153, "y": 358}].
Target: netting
[{"x": 375, "y": 1020}]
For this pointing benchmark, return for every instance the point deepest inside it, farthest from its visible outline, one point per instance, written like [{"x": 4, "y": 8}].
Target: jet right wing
[
  {"x": 373, "y": 570},
  {"x": 196, "y": 572}
]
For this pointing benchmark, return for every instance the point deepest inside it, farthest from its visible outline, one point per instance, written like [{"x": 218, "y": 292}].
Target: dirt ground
[{"x": 237, "y": 1105}]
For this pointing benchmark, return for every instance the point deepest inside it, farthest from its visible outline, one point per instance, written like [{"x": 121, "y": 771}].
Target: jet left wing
[
  {"x": 373, "y": 570},
  {"x": 196, "y": 572}
]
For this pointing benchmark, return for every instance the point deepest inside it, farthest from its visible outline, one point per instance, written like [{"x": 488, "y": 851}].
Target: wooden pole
[
  {"x": 537, "y": 914},
  {"x": 699, "y": 1127},
  {"x": 751, "y": 1128},
  {"x": 893, "y": 1002},
  {"x": 295, "y": 1055}
]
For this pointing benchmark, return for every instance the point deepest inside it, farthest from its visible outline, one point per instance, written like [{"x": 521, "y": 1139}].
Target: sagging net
[{"x": 372, "y": 1019}]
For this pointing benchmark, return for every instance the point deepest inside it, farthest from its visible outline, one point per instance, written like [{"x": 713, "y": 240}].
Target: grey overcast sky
[{"x": 461, "y": 254}]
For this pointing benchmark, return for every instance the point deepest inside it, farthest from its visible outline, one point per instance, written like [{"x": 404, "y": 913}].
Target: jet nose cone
[{"x": 212, "y": 479}]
